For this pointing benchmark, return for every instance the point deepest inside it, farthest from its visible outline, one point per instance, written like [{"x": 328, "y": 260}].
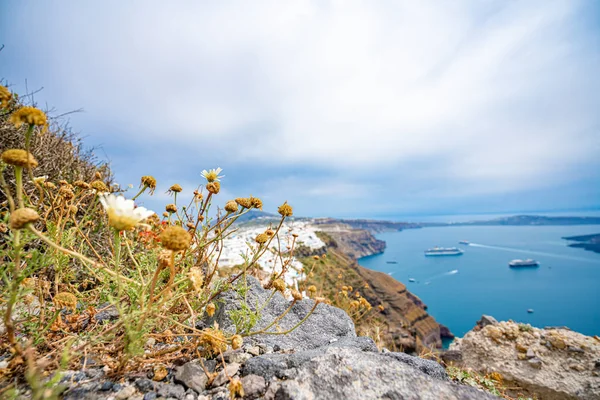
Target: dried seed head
[
  {"x": 175, "y": 238},
  {"x": 262, "y": 238},
  {"x": 210, "y": 309},
  {"x": 244, "y": 202},
  {"x": 236, "y": 342},
  {"x": 235, "y": 388},
  {"x": 62, "y": 182},
  {"x": 171, "y": 208},
  {"x": 99, "y": 186},
  {"x": 213, "y": 187},
  {"x": 256, "y": 202},
  {"x": 191, "y": 226},
  {"x": 175, "y": 188},
  {"x": 285, "y": 210},
  {"x": 296, "y": 295},
  {"x": 196, "y": 278},
  {"x": 312, "y": 289},
  {"x": 279, "y": 285},
  {"x": 5, "y": 96},
  {"x": 66, "y": 192},
  {"x": 28, "y": 115},
  {"x": 21, "y": 217},
  {"x": 165, "y": 214},
  {"x": 320, "y": 300},
  {"x": 49, "y": 185},
  {"x": 3, "y": 227},
  {"x": 231, "y": 206},
  {"x": 73, "y": 209},
  {"x": 197, "y": 196},
  {"x": 354, "y": 304},
  {"x": 316, "y": 258},
  {"x": 19, "y": 158},
  {"x": 149, "y": 182},
  {"x": 270, "y": 232},
  {"x": 380, "y": 307},
  {"x": 81, "y": 184},
  {"x": 65, "y": 300},
  {"x": 213, "y": 341}
]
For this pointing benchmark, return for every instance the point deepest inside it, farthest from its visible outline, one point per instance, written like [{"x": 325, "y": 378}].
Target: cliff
[
  {"x": 405, "y": 322},
  {"x": 371, "y": 225}
]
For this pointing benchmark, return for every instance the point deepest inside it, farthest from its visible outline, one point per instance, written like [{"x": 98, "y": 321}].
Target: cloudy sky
[{"x": 343, "y": 108}]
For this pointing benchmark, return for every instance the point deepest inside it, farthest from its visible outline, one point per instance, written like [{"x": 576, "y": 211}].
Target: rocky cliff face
[
  {"x": 552, "y": 364},
  {"x": 409, "y": 326}
]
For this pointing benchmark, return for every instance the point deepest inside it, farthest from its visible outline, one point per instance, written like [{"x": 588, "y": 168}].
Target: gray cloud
[{"x": 424, "y": 99}]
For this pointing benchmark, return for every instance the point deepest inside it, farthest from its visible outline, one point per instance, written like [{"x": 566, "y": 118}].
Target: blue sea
[{"x": 563, "y": 291}]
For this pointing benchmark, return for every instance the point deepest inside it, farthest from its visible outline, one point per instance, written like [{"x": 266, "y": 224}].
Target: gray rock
[
  {"x": 145, "y": 385},
  {"x": 192, "y": 375},
  {"x": 324, "y": 324},
  {"x": 109, "y": 314},
  {"x": 486, "y": 320},
  {"x": 574, "y": 349},
  {"x": 254, "y": 386},
  {"x": 150, "y": 396},
  {"x": 169, "y": 390},
  {"x": 451, "y": 356},
  {"x": 535, "y": 362},
  {"x": 530, "y": 353},
  {"x": 283, "y": 366},
  {"x": 125, "y": 393},
  {"x": 254, "y": 350},
  {"x": 349, "y": 373},
  {"x": 230, "y": 370},
  {"x": 428, "y": 367},
  {"x": 236, "y": 356}
]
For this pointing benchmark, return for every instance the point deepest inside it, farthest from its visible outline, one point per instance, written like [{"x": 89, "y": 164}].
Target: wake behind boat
[{"x": 443, "y": 251}]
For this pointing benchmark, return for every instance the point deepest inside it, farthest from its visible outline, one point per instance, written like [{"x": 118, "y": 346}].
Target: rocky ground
[
  {"x": 322, "y": 359},
  {"x": 554, "y": 363}
]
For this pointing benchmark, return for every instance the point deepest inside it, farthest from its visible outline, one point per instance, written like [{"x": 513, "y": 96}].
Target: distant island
[{"x": 586, "y": 242}]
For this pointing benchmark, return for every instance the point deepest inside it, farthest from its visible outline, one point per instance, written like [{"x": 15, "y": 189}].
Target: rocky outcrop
[
  {"x": 550, "y": 363},
  {"x": 355, "y": 243},
  {"x": 321, "y": 359}
]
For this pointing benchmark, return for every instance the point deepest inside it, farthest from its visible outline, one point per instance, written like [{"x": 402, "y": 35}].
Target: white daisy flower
[
  {"x": 123, "y": 214},
  {"x": 212, "y": 175}
]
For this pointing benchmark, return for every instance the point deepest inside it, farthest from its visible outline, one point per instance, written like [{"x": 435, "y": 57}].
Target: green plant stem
[
  {"x": 79, "y": 256},
  {"x": 289, "y": 330},
  {"x": 142, "y": 190},
  {"x": 19, "y": 181},
  {"x": 279, "y": 318}
]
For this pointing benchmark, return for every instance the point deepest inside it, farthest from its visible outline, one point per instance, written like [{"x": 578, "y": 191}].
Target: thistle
[
  {"x": 244, "y": 202},
  {"x": 148, "y": 182}
]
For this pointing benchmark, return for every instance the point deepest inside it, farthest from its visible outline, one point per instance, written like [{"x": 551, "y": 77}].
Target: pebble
[
  {"x": 150, "y": 396},
  {"x": 254, "y": 350},
  {"x": 231, "y": 370},
  {"x": 125, "y": 393}
]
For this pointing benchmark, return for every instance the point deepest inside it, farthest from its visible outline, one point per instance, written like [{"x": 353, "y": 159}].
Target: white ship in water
[
  {"x": 443, "y": 251},
  {"x": 523, "y": 263}
]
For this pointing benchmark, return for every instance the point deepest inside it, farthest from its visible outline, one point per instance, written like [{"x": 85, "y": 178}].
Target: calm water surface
[{"x": 564, "y": 290}]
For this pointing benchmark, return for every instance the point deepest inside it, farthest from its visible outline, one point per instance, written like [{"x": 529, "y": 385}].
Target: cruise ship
[
  {"x": 443, "y": 251},
  {"x": 523, "y": 263}
]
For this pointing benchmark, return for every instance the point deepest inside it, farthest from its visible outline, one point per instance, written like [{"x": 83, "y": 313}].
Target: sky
[{"x": 374, "y": 109}]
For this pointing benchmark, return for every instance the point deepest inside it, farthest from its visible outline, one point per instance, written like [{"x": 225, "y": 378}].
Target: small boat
[
  {"x": 411, "y": 279},
  {"x": 392, "y": 262},
  {"x": 530, "y": 310},
  {"x": 443, "y": 251},
  {"x": 464, "y": 242},
  {"x": 523, "y": 263}
]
